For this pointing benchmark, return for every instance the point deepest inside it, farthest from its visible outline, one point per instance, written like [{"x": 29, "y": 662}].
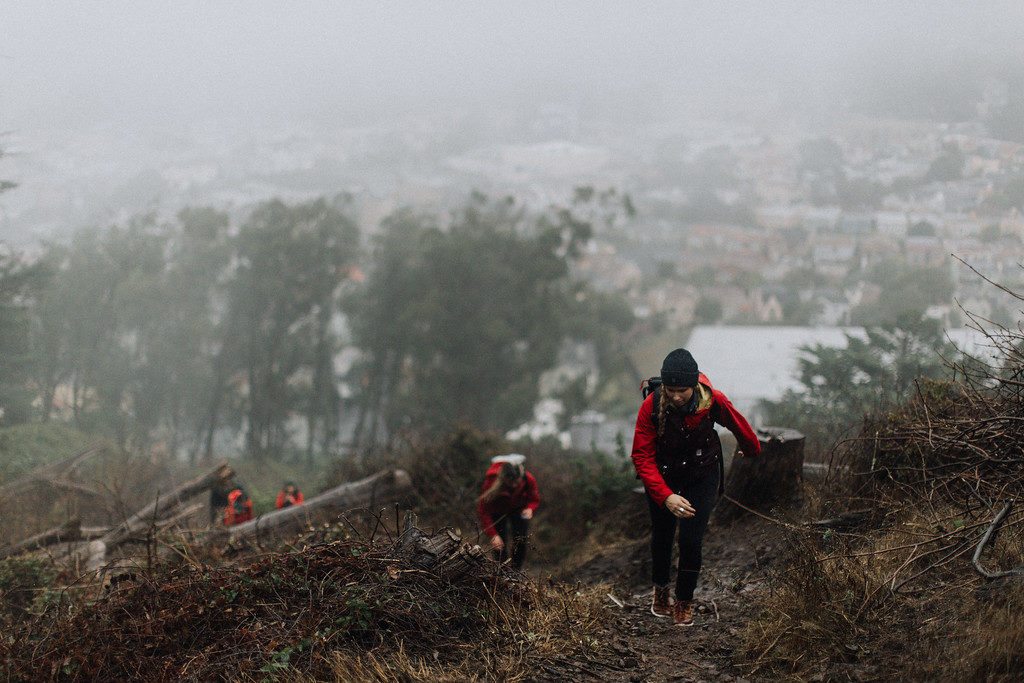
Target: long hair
[
  {"x": 507, "y": 475},
  {"x": 662, "y": 408}
]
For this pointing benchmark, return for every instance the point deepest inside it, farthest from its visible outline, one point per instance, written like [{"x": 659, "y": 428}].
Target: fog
[
  {"x": 617, "y": 172},
  {"x": 168, "y": 65},
  {"x": 97, "y": 95}
]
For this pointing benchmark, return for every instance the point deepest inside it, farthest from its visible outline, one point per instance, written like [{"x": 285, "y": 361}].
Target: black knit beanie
[{"x": 679, "y": 369}]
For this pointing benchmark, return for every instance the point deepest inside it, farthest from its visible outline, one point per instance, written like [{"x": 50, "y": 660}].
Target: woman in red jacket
[
  {"x": 677, "y": 454},
  {"x": 239, "y": 508},
  {"x": 289, "y": 495},
  {"x": 508, "y": 499}
]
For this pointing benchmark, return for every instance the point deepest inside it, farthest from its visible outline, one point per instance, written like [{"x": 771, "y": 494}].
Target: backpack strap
[
  {"x": 721, "y": 453},
  {"x": 654, "y": 408},
  {"x": 721, "y": 473}
]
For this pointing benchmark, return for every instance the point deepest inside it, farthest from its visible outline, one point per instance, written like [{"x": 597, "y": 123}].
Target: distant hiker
[
  {"x": 508, "y": 499},
  {"x": 239, "y": 507},
  {"x": 288, "y": 495},
  {"x": 678, "y": 455}
]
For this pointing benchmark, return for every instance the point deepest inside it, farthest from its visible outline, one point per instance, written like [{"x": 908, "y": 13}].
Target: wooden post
[{"x": 772, "y": 479}]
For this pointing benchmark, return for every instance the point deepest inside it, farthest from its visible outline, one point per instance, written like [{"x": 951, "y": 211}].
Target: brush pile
[
  {"x": 924, "y": 577},
  {"x": 287, "y": 613}
]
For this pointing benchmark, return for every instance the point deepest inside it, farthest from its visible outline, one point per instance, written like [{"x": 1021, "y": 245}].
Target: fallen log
[
  {"x": 177, "y": 517},
  {"x": 54, "y": 471},
  {"x": 99, "y": 551},
  {"x": 383, "y": 488},
  {"x": 162, "y": 506},
  {"x": 70, "y": 530},
  {"x": 71, "y": 487},
  {"x": 772, "y": 479}
]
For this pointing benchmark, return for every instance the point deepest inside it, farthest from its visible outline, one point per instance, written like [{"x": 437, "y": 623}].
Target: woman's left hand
[{"x": 527, "y": 513}]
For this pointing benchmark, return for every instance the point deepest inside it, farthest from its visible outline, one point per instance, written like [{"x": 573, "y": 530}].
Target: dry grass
[
  {"x": 897, "y": 601},
  {"x": 343, "y": 609}
]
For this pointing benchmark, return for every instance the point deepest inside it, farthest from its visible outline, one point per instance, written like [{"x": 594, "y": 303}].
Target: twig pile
[
  {"x": 917, "y": 575},
  {"x": 283, "y": 613},
  {"x": 953, "y": 458}
]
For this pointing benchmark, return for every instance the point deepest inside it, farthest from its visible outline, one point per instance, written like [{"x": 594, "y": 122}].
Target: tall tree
[
  {"x": 291, "y": 261},
  {"x": 20, "y": 283},
  {"x": 459, "y": 323}
]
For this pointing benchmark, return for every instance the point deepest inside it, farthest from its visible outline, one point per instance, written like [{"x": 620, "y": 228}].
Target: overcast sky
[{"x": 159, "y": 63}]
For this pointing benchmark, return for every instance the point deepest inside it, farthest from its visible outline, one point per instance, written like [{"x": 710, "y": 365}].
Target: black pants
[
  {"x": 702, "y": 494},
  {"x": 513, "y": 530}
]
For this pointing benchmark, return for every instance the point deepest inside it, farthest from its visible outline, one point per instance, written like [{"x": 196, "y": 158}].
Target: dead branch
[
  {"x": 843, "y": 521},
  {"x": 68, "y": 531},
  {"x": 55, "y": 471},
  {"x": 71, "y": 487},
  {"x": 992, "y": 528}
]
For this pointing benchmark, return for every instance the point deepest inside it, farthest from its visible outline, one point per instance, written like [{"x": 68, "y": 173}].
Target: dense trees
[
  {"x": 906, "y": 292},
  {"x": 460, "y": 323},
  {"x": 200, "y": 333},
  {"x": 871, "y": 373}
]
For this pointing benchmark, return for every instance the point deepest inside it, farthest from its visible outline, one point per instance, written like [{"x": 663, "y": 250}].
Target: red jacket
[
  {"x": 282, "y": 498},
  {"x": 523, "y": 497},
  {"x": 645, "y": 437},
  {"x": 231, "y": 517}
]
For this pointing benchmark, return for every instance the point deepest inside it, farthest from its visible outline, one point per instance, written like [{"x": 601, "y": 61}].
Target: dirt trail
[{"x": 640, "y": 647}]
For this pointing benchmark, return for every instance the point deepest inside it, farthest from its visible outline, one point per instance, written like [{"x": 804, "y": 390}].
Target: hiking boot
[
  {"x": 682, "y": 615},
  {"x": 661, "y": 603}
]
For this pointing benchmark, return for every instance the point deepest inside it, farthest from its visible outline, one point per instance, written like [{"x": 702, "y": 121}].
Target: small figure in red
[
  {"x": 289, "y": 495},
  {"x": 506, "y": 505},
  {"x": 239, "y": 507}
]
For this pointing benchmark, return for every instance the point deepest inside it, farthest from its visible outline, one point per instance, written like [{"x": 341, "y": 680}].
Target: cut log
[
  {"x": 383, "y": 488},
  {"x": 163, "y": 505},
  {"x": 772, "y": 480},
  {"x": 70, "y": 530},
  {"x": 444, "y": 552}
]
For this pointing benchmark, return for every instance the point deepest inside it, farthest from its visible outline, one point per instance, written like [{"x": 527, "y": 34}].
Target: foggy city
[{"x": 511, "y": 341}]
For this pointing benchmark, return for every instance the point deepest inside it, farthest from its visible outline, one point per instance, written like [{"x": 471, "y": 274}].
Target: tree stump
[
  {"x": 770, "y": 480},
  {"x": 444, "y": 553}
]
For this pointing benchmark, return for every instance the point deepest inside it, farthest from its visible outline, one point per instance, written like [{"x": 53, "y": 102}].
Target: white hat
[{"x": 514, "y": 458}]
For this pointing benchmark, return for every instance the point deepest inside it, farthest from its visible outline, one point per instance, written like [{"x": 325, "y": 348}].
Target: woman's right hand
[
  {"x": 497, "y": 543},
  {"x": 679, "y": 506}
]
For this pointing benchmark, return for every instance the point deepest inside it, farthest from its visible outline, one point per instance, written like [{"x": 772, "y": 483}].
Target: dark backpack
[{"x": 651, "y": 385}]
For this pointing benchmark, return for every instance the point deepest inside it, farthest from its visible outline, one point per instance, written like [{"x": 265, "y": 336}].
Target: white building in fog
[{"x": 753, "y": 363}]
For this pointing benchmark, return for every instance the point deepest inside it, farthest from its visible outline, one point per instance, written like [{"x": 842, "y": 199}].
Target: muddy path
[{"x": 640, "y": 647}]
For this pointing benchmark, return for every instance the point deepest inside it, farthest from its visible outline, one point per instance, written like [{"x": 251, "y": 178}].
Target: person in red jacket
[
  {"x": 677, "y": 454},
  {"x": 239, "y": 508},
  {"x": 508, "y": 499},
  {"x": 289, "y": 495}
]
